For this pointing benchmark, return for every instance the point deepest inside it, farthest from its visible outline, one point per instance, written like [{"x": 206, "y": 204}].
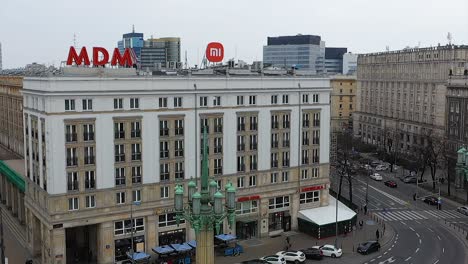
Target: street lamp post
[
  {"x": 462, "y": 168},
  {"x": 205, "y": 211},
  {"x": 132, "y": 223}
]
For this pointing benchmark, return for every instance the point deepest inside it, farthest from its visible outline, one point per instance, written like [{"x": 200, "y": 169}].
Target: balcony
[
  {"x": 89, "y": 160},
  {"x": 274, "y": 125},
  {"x": 286, "y": 124},
  {"x": 88, "y": 136},
  {"x": 119, "y": 134},
  {"x": 73, "y": 186},
  {"x": 218, "y": 129},
  {"x": 274, "y": 164},
  {"x": 241, "y": 127},
  {"x": 136, "y": 179},
  {"x": 218, "y": 170},
  {"x": 286, "y": 143},
  {"x": 285, "y": 163},
  {"x": 253, "y": 126},
  {"x": 120, "y": 158},
  {"x": 274, "y": 144},
  {"x": 253, "y": 146},
  {"x": 135, "y": 134},
  {"x": 164, "y": 154},
  {"x": 164, "y": 132},
  {"x": 240, "y": 147},
  {"x": 218, "y": 149},
  {"x": 179, "y": 175},
  {"x": 136, "y": 156},
  {"x": 71, "y": 137},
  {"x": 316, "y": 123},
  {"x": 72, "y": 162},
  {"x": 241, "y": 167},
  {"x": 179, "y": 131}
]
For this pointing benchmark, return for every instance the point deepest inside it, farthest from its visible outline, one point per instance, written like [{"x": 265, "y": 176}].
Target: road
[{"x": 422, "y": 235}]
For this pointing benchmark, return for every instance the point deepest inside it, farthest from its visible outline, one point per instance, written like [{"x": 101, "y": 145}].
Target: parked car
[
  {"x": 376, "y": 176},
  {"x": 410, "y": 179},
  {"x": 313, "y": 253},
  {"x": 381, "y": 167},
  {"x": 255, "y": 261},
  {"x": 368, "y": 247},
  {"x": 274, "y": 259},
  {"x": 463, "y": 210},
  {"x": 330, "y": 251},
  {"x": 391, "y": 184},
  {"x": 430, "y": 200},
  {"x": 375, "y": 163},
  {"x": 292, "y": 256}
]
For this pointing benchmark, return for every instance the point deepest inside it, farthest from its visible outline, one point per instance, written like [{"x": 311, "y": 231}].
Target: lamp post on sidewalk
[
  {"x": 462, "y": 168},
  {"x": 132, "y": 250}
]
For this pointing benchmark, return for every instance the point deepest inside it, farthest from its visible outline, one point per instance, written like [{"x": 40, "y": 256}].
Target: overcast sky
[{"x": 42, "y": 31}]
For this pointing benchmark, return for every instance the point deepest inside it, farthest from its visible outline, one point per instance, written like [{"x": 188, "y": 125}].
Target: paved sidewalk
[{"x": 256, "y": 248}]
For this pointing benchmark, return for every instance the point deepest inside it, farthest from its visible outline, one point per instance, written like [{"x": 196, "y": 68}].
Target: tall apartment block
[
  {"x": 95, "y": 145},
  {"x": 402, "y": 94}
]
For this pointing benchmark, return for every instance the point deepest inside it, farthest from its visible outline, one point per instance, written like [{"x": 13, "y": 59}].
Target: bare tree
[{"x": 344, "y": 145}]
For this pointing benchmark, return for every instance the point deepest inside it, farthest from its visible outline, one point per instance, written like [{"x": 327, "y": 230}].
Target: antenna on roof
[
  {"x": 186, "y": 64},
  {"x": 387, "y": 48},
  {"x": 449, "y": 38},
  {"x": 133, "y": 28}
]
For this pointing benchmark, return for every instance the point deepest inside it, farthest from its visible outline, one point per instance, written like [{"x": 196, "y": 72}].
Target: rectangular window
[
  {"x": 163, "y": 128},
  {"x": 136, "y": 174},
  {"x": 204, "y": 125},
  {"x": 168, "y": 220},
  {"x": 203, "y": 101},
  {"x": 118, "y": 103},
  {"x": 90, "y": 180},
  {"x": 70, "y": 133},
  {"x": 87, "y": 104},
  {"x": 252, "y": 99},
  {"x": 119, "y": 130},
  {"x": 278, "y": 202},
  {"x": 165, "y": 192},
  {"x": 179, "y": 170},
  {"x": 274, "y": 99},
  {"x": 253, "y": 162},
  {"x": 179, "y": 148},
  {"x": 179, "y": 127},
  {"x": 240, "y": 163},
  {"x": 253, "y": 123},
  {"x": 274, "y": 177},
  {"x": 253, "y": 142},
  {"x": 72, "y": 159},
  {"x": 274, "y": 122},
  {"x": 240, "y": 182},
  {"x": 274, "y": 160},
  {"x": 218, "y": 145},
  {"x": 119, "y": 176},
  {"x": 72, "y": 181},
  {"x": 73, "y": 204},
  {"x": 164, "y": 149},
  {"x": 285, "y": 99},
  {"x": 136, "y": 195},
  {"x": 88, "y": 155},
  {"x": 252, "y": 181},
  {"x": 90, "y": 201},
  {"x": 119, "y": 153},
  {"x": 136, "y": 130},
  {"x": 305, "y": 138},
  {"x": 162, "y": 102},
  {"x": 305, "y": 120},
  {"x": 247, "y": 207},
  {"x": 285, "y": 176},
  {"x": 309, "y": 197},
  {"x": 177, "y": 102},
  {"x": 285, "y": 159},
  {"x": 240, "y": 123},
  {"x": 217, "y": 101},
  {"x": 88, "y": 132},
  {"x": 134, "y": 103},
  {"x": 218, "y": 125},
  {"x": 164, "y": 172},
  {"x": 69, "y": 104},
  {"x": 315, "y": 156},
  {"x": 240, "y": 100},
  {"x": 240, "y": 143},
  {"x": 305, "y": 98},
  {"x": 274, "y": 140},
  {"x": 316, "y": 137},
  {"x": 286, "y": 123},
  {"x": 305, "y": 157},
  {"x": 316, "y": 120},
  {"x": 125, "y": 226},
  {"x": 315, "y": 172},
  {"x": 218, "y": 166},
  {"x": 304, "y": 174},
  {"x": 120, "y": 197}
]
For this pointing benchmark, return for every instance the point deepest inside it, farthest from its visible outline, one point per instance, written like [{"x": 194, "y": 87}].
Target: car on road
[
  {"x": 410, "y": 179},
  {"x": 463, "y": 210},
  {"x": 376, "y": 176},
  {"x": 368, "y": 247},
  {"x": 274, "y": 259},
  {"x": 391, "y": 184},
  {"x": 330, "y": 251},
  {"x": 313, "y": 253},
  {"x": 381, "y": 167},
  {"x": 255, "y": 261},
  {"x": 292, "y": 256},
  {"x": 430, "y": 200}
]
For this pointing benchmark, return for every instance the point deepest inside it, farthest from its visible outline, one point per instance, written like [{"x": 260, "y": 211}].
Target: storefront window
[
  {"x": 310, "y": 197},
  {"x": 120, "y": 230},
  {"x": 247, "y": 207},
  {"x": 279, "y": 202},
  {"x": 122, "y": 246},
  {"x": 168, "y": 220},
  {"x": 172, "y": 237}
]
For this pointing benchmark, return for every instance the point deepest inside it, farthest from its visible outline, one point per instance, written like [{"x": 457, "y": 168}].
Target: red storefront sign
[
  {"x": 313, "y": 188},
  {"x": 214, "y": 52},
  {"x": 100, "y": 57},
  {"x": 248, "y": 198}
]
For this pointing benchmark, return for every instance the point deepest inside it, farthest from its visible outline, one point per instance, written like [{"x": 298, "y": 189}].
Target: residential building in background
[
  {"x": 131, "y": 40},
  {"x": 91, "y": 154},
  {"x": 342, "y": 105},
  {"x": 402, "y": 95},
  {"x": 349, "y": 63},
  {"x": 334, "y": 60},
  {"x": 161, "y": 53},
  {"x": 11, "y": 113},
  {"x": 305, "y": 52}
]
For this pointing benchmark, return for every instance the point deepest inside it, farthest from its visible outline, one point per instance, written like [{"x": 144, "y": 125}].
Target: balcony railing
[
  {"x": 240, "y": 147},
  {"x": 89, "y": 159},
  {"x": 136, "y": 156},
  {"x": 71, "y": 137},
  {"x": 88, "y": 136},
  {"x": 119, "y": 134},
  {"x": 136, "y": 133},
  {"x": 241, "y": 127},
  {"x": 241, "y": 167},
  {"x": 164, "y": 132},
  {"x": 72, "y": 162},
  {"x": 274, "y": 164},
  {"x": 119, "y": 157}
]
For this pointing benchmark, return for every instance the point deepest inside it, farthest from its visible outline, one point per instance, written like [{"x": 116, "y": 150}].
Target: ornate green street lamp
[
  {"x": 206, "y": 210},
  {"x": 462, "y": 169}
]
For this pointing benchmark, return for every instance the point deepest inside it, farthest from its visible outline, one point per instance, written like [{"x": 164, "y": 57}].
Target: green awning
[{"x": 12, "y": 176}]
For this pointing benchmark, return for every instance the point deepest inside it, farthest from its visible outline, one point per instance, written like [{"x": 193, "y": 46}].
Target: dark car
[
  {"x": 255, "y": 261},
  {"x": 430, "y": 200},
  {"x": 391, "y": 184},
  {"x": 368, "y": 247},
  {"x": 313, "y": 253}
]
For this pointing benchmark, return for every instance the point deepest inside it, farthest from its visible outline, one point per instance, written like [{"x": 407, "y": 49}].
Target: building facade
[
  {"x": 401, "y": 95},
  {"x": 161, "y": 52},
  {"x": 342, "y": 105},
  {"x": 131, "y": 40},
  {"x": 306, "y": 52},
  {"x": 11, "y": 113},
  {"x": 334, "y": 60},
  {"x": 457, "y": 120},
  {"x": 1, "y": 64},
  {"x": 95, "y": 145},
  {"x": 349, "y": 63}
]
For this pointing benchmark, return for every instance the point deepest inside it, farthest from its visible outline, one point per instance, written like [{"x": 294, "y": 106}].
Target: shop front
[
  {"x": 123, "y": 245},
  {"x": 247, "y": 228},
  {"x": 279, "y": 221},
  {"x": 177, "y": 236},
  {"x": 247, "y": 216}
]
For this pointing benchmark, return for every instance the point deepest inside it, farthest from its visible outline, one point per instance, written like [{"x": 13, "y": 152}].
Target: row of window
[{"x": 87, "y": 104}]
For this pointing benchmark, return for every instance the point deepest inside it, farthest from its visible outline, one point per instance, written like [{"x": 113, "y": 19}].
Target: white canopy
[{"x": 327, "y": 214}]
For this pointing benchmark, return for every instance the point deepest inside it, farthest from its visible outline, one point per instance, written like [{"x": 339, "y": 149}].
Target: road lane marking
[
  {"x": 437, "y": 261},
  {"x": 417, "y": 234},
  {"x": 417, "y": 222},
  {"x": 372, "y": 260},
  {"x": 443, "y": 250},
  {"x": 438, "y": 237},
  {"x": 379, "y": 256},
  {"x": 408, "y": 259},
  {"x": 412, "y": 229},
  {"x": 430, "y": 230},
  {"x": 420, "y": 241},
  {"x": 416, "y": 250}
]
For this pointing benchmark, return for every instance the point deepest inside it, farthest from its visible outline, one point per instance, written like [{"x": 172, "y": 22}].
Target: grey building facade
[
  {"x": 305, "y": 52},
  {"x": 163, "y": 52},
  {"x": 334, "y": 60}
]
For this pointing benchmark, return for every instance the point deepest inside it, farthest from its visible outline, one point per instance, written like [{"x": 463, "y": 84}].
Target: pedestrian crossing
[{"x": 417, "y": 215}]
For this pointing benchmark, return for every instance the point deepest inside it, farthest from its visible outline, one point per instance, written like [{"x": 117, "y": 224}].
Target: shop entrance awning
[
  {"x": 12, "y": 176},
  {"x": 327, "y": 214}
]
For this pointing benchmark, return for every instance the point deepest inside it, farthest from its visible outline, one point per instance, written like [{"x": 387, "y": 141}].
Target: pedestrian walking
[
  {"x": 377, "y": 234},
  {"x": 383, "y": 229}
]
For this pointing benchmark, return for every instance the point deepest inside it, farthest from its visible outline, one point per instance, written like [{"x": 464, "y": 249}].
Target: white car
[
  {"x": 381, "y": 168},
  {"x": 292, "y": 256},
  {"x": 330, "y": 251},
  {"x": 463, "y": 210},
  {"x": 274, "y": 259},
  {"x": 376, "y": 177}
]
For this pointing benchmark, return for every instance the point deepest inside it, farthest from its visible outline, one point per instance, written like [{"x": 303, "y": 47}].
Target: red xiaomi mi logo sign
[
  {"x": 215, "y": 52},
  {"x": 100, "y": 57}
]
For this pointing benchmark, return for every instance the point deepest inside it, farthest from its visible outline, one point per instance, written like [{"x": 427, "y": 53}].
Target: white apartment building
[{"x": 93, "y": 145}]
